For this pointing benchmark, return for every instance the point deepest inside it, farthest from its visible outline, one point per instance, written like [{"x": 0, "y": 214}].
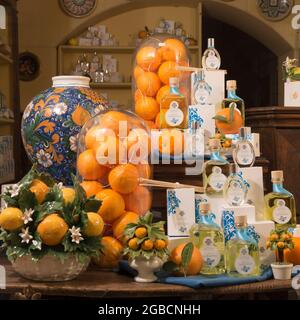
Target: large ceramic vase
[{"x": 51, "y": 123}]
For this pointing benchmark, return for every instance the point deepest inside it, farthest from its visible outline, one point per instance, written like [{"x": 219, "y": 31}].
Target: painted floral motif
[{"x": 51, "y": 123}]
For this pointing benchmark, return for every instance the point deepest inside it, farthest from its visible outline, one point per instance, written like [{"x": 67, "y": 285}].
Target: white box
[
  {"x": 180, "y": 211},
  {"x": 170, "y": 26},
  {"x": 263, "y": 229},
  {"x": 203, "y": 114},
  {"x": 85, "y": 42},
  {"x": 216, "y": 80},
  {"x": 101, "y": 31},
  {"x": 255, "y": 195},
  {"x": 245, "y": 209},
  {"x": 174, "y": 242},
  {"x": 292, "y": 94}
]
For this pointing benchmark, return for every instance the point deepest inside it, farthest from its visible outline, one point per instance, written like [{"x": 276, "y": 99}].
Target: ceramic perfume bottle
[
  {"x": 211, "y": 59},
  {"x": 208, "y": 237},
  {"x": 244, "y": 154}
]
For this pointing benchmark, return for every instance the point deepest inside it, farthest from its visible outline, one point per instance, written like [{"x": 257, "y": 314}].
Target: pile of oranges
[
  {"x": 155, "y": 65},
  {"x": 112, "y": 181}
]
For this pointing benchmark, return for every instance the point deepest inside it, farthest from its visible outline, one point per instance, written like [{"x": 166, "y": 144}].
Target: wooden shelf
[
  {"x": 6, "y": 121},
  {"x": 121, "y": 85},
  {"x": 67, "y": 48},
  {"x": 4, "y": 59}
]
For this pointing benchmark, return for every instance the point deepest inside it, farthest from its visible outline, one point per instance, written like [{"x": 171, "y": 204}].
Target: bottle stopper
[
  {"x": 245, "y": 132},
  {"x": 214, "y": 143},
  {"x": 277, "y": 176},
  {"x": 211, "y": 43},
  {"x": 231, "y": 85},
  {"x": 204, "y": 207},
  {"x": 174, "y": 82},
  {"x": 240, "y": 220}
]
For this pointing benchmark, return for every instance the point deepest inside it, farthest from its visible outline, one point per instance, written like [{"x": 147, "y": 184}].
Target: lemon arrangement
[
  {"x": 281, "y": 241},
  {"x": 49, "y": 231},
  {"x": 146, "y": 247}
]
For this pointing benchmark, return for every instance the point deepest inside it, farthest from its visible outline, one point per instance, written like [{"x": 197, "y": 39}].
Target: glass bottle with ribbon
[
  {"x": 201, "y": 90},
  {"x": 243, "y": 153}
]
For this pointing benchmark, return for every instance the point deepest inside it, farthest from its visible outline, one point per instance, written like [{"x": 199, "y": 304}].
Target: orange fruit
[
  {"x": 167, "y": 70},
  {"x": 147, "y": 245},
  {"x": 171, "y": 141},
  {"x": 52, "y": 229},
  {"x": 173, "y": 50},
  {"x": 120, "y": 224},
  {"x": 40, "y": 189},
  {"x": 141, "y": 232},
  {"x": 111, "y": 253},
  {"x": 132, "y": 244},
  {"x": 124, "y": 178},
  {"x": 195, "y": 264},
  {"x": 137, "y": 71},
  {"x": 95, "y": 225},
  {"x": 148, "y": 83},
  {"x": 280, "y": 245},
  {"x": 96, "y": 135},
  {"x": 91, "y": 188},
  {"x": 88, "y": 167},
  {"x": 111, "y": 119},
  {"x": 68, "y": 195},
  {"x": 162, "y": 92},
  {"x": 144, "y": 170},
  {"x": 160, "y": 120},
  {"x": 293, "y": 255},
  {"x": 80, "y": 115},
  {"x": 138, "y": 95},
  {"x": 150, "y": 124},
  {"x": 138, "y": 201},
  {"x": 160, "y": 244},
  {"x": 147, "y": 108},
  {"x": 138, "y": 145},
  {"x": 11, "y": 219},
  {"x": 148, "y": 58},
  {"x": 274, "y": 237},
  {"x": 110, "y": 152},
  {"x": 113, "y": 205},
  {"x": 234, "y": 126}
]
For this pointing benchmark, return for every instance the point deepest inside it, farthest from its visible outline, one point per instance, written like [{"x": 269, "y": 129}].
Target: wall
[{"x": 43, "y": 25}]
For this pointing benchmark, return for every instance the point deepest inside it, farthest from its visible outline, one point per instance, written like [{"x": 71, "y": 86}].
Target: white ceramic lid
[{"x": 71, "y": 81}]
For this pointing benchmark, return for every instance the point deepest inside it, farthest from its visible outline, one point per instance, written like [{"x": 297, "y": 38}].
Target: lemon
[
  {"x": 296, "y": 70},
  {"x": 40, "y": 189},
  {"x": 52, "y": 229},
  {"x": 95, "y": 225},
  {"x": 68, "y": 195},
  {"x": 11, "y": 219}
]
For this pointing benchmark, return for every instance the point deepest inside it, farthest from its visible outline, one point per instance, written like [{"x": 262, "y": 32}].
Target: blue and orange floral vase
[{"x": 52, "y": 121}]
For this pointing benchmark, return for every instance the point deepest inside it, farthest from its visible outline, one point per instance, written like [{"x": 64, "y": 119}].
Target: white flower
[
  {"x": 27, "y": 215},
  {"x": 73, "y": 143},
  {"x": 60, "y": 185},
  {"x": 75, "y": 234},
  {"x": 37, "y": 244},
  {"x": 44, "y": 158},
  {"x": 60, "y": 108},
  {"x": 28, "y": 110},
  {"x": 14, "y": 190},
  {"x": 26, "y": 237}
]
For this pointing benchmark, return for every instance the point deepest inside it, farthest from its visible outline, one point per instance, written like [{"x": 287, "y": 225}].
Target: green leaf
[
  {"x": 27, "y": 199},
  {"x": 170, "y": 267},
  {"x": 45, "y": 209},
  {"x": 186, "y": 255},
  {"x": 231, "y": 115},
  {"x": 92, "y": 205},
  {"x": 54, "y": 194},
  {"x": 221, "y": 118}
]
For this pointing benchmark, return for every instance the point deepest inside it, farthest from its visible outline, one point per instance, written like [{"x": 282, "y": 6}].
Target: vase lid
[{"x": 71, "y": 81}]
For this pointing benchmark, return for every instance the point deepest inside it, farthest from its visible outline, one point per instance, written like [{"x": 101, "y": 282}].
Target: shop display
[
  {"x": 211, "y": 59},
  {"x": 52, "y": 121},
  {"x": 208, "y": 237},
  {"x": 242, "y": 254},
  {"x": 243, "y": 153},
  {"x": 280, "y": 204}
]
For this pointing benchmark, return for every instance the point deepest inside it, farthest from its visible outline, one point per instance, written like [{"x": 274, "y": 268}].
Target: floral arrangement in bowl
[
  {"x": 46, "y": 224},
  {"x": 146, "y": 247}
]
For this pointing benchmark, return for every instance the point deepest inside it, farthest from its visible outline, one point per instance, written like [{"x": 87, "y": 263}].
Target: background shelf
[
  {"x": 4, "y": 59},
  {"x": 121, "y": 85},
  {"x": 6, "y": 121}
]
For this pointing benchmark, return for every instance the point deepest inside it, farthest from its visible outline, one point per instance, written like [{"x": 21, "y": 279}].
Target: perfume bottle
[
  {"x": 232, "y": 99},
  {"x": 211, "y": 59},
  {"x": 195, "y": 140},
  {"x": 243, "y": 154},
  {"x": 235, "y": 189},
  {"x": 280, "y": 204},
  {"x": 175, "y": 104},
  {"x": 242, "y": 252},
  {"x": 94, "y": 65},
  {"x": 85, "y": 66},
  {"x": 208, "y": 237},
  {"x": 201, "y": 90},
  {"x": 215, "y": 171}
]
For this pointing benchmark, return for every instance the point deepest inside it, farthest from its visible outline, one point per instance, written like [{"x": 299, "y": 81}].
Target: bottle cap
[
  {"x": 204, "y": 207},
  {"x": 277, "y": 176},
  {"x": 211, "y": 43},
  {"x": 231, "y": 85},
  {"x": 233, "y": 168},
  {"x": 240, "y": 220},
  {"x": 245, "y": 132},
  {"x": 174, "y": 82},
  {"x": 214, "y": 143}
]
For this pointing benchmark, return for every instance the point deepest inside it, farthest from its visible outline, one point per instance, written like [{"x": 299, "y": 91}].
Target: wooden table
[{"x": 104, "y": 284}]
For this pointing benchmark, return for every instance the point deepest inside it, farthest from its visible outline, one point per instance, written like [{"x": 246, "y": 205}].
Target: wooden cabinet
[{"x": 279, "y": 129}]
